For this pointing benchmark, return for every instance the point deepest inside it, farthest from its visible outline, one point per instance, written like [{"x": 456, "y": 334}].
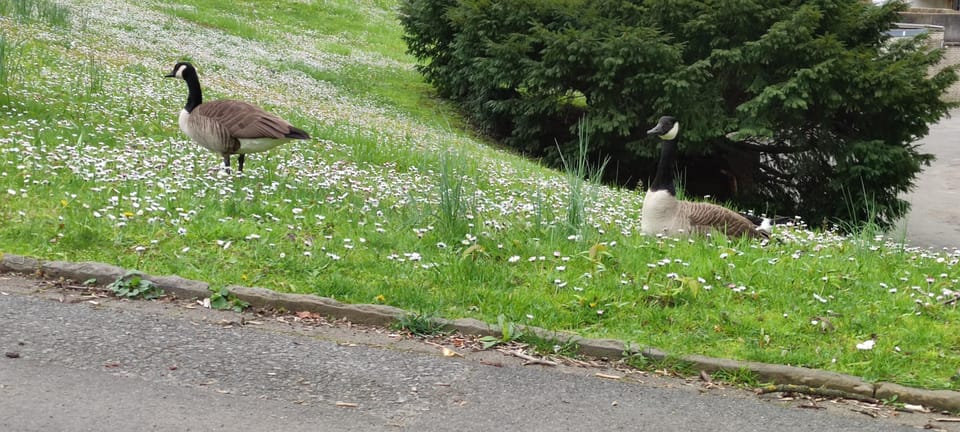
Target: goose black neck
[
  {"x": 664, "y": 179},
  {"x": 195, "y": 95}
]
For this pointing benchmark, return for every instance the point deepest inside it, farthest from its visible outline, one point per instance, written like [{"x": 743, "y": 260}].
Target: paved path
[
  {"x": 934, "y": 219},
  {"x": 101, "y": 364}
]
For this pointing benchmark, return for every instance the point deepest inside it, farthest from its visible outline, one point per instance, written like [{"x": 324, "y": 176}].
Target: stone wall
[
  {"x": 950, "y": 57},
  {"x": 946, "y": 18},
  {"x": 949, "y": 38},
  {"x": 938, "y": 4}
]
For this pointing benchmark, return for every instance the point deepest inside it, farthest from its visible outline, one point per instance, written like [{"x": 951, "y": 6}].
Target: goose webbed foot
[{"x": 221, "y": 170}]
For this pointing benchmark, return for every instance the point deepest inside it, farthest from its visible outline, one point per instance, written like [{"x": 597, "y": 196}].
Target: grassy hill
[{"x": 395, "y": 201}]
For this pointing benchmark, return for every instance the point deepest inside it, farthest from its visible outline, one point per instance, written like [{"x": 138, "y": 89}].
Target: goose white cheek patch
[{"x": 672, "y": 133}]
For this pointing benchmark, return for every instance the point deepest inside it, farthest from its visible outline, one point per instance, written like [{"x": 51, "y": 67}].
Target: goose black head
[
  {"x": 180, "y": 69},
  {"x": 666, "y": 128}
]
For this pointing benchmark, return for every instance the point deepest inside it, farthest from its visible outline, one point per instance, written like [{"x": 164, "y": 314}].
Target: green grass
[
  {"x": 394, "y": 203},
  {"x": 219, "y": 15},
  {"x": 45, "y": 11},
  {"x": 579, "y": 174},
  {"x": 344, "y": 26},
  {"x": 398, "y": 89},
  {"x": 419, "y": 325}
]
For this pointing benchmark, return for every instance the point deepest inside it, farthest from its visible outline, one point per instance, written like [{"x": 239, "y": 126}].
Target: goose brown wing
[
  {"x": 243, "y": 120},
  {"x": 706, "y": 217}
]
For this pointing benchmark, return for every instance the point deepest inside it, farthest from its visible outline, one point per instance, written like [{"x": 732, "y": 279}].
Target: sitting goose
[
  {"x": 229, "y": 126},
  {"x": 663, "y": 213}
]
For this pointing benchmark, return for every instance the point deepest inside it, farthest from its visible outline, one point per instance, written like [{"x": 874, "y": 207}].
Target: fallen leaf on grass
[{"x": 825, "y": 325}]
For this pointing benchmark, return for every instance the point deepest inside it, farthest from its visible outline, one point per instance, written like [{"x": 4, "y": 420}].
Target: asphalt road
[
  {"x": 101, "y": 364},
  {"x": 934, "y": 218}
]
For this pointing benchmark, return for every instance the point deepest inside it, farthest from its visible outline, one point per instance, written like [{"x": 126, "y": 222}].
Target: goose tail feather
[{"x": 296, "y": 133}]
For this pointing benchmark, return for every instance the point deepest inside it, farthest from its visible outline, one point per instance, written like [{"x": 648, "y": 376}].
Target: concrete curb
[{"x": 104, "y": 274}]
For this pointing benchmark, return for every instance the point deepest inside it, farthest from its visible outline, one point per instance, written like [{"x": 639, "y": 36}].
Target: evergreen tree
[{"x": 789, "y": 107}]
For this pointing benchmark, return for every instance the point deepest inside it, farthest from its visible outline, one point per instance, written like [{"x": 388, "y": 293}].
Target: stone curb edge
[{"x": 373, "y": 314}]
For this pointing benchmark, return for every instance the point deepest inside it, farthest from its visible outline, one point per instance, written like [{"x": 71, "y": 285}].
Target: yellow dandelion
[{"x": 380, "y": 298}]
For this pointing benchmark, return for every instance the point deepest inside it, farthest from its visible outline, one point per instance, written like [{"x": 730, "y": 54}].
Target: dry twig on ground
[
  {"x": 529, "y": 359},
  {"x": 816, "y": 391}
]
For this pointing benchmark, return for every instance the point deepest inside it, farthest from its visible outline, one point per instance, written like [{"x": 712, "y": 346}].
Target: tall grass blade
[
  {"x": 95, "y": 75},
  {"x": 5, "y": 58},
  {"x": 579, "y": 173},
  {"x": 451, "y": 190},
  {"x": 45, "y": 11},
  {"x": 52, "y": 13}
]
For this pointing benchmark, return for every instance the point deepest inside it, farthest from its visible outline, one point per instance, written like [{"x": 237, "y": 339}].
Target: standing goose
[
  {"x": 663, "y": 213},
  {"x": 229, "y": 127}
]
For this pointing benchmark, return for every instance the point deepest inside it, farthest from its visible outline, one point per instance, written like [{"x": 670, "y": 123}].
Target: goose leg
[
  {"x": 240, "y": 159},
  {"x": 226, "y": 161}
]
